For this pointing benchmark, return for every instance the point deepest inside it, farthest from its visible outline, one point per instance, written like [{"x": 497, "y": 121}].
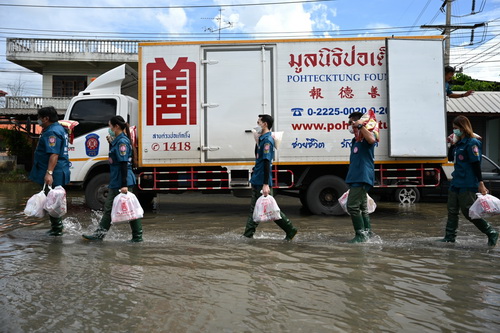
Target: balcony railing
[
  {"x": 26, "y": 45},
  {"x": 32, "y": 102}
]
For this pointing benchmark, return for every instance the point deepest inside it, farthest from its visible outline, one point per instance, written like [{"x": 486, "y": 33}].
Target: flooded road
[{"x": 194, "y": 273}]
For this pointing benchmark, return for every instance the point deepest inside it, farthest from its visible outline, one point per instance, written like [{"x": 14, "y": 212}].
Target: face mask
[
  {"x": 457, "y": 132},
  {"x": 111, "y": 133},
  {"x": 258, "y": 129},
  {"x": 39, "y": 121},
  {"x": 351, "y": 130}
]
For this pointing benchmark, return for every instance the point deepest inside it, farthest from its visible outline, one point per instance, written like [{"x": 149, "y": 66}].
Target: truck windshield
[{"x": 92, "y": 114}]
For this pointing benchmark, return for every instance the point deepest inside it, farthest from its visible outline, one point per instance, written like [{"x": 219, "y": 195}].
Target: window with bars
[{"x": 68, "y": 86}]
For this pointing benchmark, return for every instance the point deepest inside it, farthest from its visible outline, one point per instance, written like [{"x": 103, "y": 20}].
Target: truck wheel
[
  {"x": 145, "y": 198},
  {"x": 96, "y": 191},
  {"x": 407, "y": 195},
  {"x": 323, "y": 194}
]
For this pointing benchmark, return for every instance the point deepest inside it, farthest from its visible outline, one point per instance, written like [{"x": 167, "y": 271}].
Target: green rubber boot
[
  {"x": 450, "y": 232},
  {"x": 56, "y": 227},
  {"x": 359, "y": 230},
  {"x": 488, "y": 230},
  {"x": 368, "y": 227},
  {"x": 101, "y": 230},
  {"x": 250, "y": 228},
  {"x": 136, "y": 227},
  {"x": 287, "y": 226}
]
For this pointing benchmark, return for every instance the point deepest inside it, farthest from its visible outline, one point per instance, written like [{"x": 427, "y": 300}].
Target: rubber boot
[
  {"x": 250, "y": 228},
  {"x": 136, "y": 227},
  {"x": 486, "y": 228},
  {"x": 368, "y": 226},
  {"x": 56, "y": 226},
  {"x": 101, "y": 230},
  {"x": 359, "y": 230},
  {"x": 287, "y": 226},
  {"x": 450, "y": 232}
]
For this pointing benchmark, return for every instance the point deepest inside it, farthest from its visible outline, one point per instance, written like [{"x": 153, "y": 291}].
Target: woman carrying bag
[{"x": 122, "y": 178}]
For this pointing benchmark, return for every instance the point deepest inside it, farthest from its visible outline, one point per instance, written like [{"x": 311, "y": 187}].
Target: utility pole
[{"x": 448, "y": 28}]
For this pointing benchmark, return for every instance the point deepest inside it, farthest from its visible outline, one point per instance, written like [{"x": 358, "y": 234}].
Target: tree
[{"x": 462, "y": 82}]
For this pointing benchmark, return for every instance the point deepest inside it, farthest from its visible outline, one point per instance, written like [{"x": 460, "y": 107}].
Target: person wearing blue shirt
[
  {"x": 122, "y": 178},
  {"x": 262, "y": 180},
  {"x": 360, "y": 177},
  {"x": 467, "y": 181},
  {"x": 448, "y": 75},
  {"x": 51, "y": 160}
]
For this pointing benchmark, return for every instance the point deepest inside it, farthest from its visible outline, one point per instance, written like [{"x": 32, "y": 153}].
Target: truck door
[{"x": 238, "y": 87}]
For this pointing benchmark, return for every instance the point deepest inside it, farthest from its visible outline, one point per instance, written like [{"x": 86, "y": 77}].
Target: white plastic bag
[
  {"x": 55, "y": 204},
  {"x": 266, "y": 209},
  {"x": 126, "y": 207},
  {"x": 484, "y": 206},
  {"x": 34, "y": 206},
  {"x": 369, "y": 202}
]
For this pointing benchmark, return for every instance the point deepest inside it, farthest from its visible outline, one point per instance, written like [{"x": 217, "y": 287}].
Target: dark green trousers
[
  {"x": 284, "y": 223},
  {"x": 357, "y": 207},
  {"x": 462, "y": 201}
]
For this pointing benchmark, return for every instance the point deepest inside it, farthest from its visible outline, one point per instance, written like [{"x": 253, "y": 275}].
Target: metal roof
[{"x": 479, "y": 102}]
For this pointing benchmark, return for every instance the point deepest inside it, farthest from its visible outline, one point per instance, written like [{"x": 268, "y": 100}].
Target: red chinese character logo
[
  {"x": 171, "y": 93},
  {"x": 346, "y": 92},
  {"x": 315, "y": 93},
  {"x": 374, "y": 92}
]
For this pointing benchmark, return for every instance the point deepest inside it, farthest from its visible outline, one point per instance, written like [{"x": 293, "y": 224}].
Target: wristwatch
[
  {"x": 50, "y": 172},
  {"x": 360, "y": 126}
]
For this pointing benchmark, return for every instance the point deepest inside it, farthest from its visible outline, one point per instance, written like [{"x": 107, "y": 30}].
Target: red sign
[{"x": 171, "y": 93}]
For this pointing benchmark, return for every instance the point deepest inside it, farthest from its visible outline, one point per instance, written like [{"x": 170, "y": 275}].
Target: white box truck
[{"x": 194, "y": 105}]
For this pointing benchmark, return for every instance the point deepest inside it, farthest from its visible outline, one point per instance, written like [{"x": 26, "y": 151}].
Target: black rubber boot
[
  {"x": 359, "y": 230},
  {"x": 450, "y": 232},
  {"x": 136, "y": 227},
  {"x": 98, "y": 234},
  {"x": 56, "y": 226},
  {"x": 487, "y": 229}
]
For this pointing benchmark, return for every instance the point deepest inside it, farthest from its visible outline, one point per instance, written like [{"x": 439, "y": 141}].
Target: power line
[{"x": 167, "y": 7}]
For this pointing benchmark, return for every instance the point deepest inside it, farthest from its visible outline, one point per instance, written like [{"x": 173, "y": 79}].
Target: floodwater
[{"x": 194, "y": 273}]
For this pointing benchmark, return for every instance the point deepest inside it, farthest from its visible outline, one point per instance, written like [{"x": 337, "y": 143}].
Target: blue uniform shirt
[
  {"x": 120, "y": 150},
  {"x": 361, "y": 164},
  {"x": 448, "y": 89},
  {"x": 264, "y": 153},
  {"x": 54, "y": 140},
  {"x": 467, "y": 151}
]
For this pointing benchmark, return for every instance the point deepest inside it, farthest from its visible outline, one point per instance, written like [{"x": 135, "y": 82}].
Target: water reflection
[{"x": 194, "y": 273}]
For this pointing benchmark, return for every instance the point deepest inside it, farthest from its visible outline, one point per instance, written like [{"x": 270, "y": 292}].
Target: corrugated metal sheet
[{"x": 478, "y": 102}]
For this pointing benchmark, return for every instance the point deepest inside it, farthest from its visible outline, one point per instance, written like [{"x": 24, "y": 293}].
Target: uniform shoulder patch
[
  {"x": 123, "y": 149},
  {"x": 475, "y": 150},
  {"x": 267, "y": 148},
  {"x": 52, "y": 140}
]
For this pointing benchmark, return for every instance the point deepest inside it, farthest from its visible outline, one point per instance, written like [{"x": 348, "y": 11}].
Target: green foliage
[
  {"x": 462, "y": 82},
  {"x": 16, "y": 142}
]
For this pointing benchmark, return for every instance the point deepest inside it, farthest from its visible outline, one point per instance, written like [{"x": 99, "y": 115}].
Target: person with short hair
[
  {"x": 360, "y": 177},
  {"x": 122, "y": 178},
  {"x": 467, "y": 181},
  {"x": 448, "y": 75},
  {"x": 51, "y": 160},
  {"x": 262, "y": 180}
]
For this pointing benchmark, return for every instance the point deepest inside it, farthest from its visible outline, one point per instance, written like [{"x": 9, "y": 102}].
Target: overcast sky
[{"x": 248, "y": 19}]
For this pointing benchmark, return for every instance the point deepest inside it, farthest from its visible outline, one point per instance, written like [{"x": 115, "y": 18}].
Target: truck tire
[
  {"x": 323, "y": 194},
  {"x": 407, "y": 195},
  {"x": 96, "y": 191}
]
